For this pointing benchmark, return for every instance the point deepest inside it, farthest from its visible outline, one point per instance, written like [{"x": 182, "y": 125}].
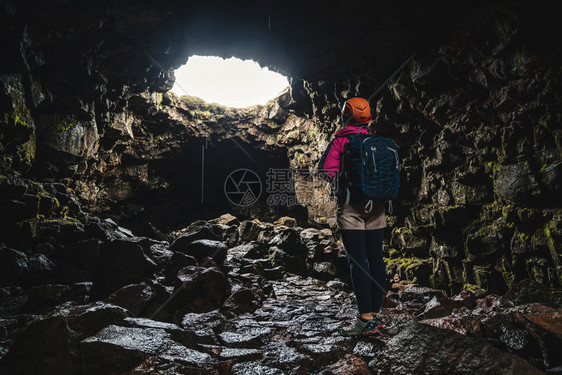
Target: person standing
[{"x": 361, "y": 223}]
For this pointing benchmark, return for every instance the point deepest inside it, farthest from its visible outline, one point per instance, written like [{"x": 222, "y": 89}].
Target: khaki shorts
[{"x": 353, "y": 216}]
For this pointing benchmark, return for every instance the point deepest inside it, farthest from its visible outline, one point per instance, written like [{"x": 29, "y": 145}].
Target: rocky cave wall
[{"x": 476, "y": 113}]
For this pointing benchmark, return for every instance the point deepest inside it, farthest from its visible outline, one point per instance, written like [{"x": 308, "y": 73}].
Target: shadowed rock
[{"x": 420, "y": 348}]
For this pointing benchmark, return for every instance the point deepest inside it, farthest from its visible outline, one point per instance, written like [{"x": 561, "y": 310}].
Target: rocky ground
[{"x": 82, "y": 295}]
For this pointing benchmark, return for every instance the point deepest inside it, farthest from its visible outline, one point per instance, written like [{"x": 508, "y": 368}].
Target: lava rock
[
  {"x": 419, "y": 294},
  {"x": 249, "y": 230},
  {"x": 14, "y": 266},
  {"x": 12, "y": 300},
  {"x": 198, "y": 290},
  {"x": 196, "y": 231},
  {"x": 200, "y": 249},
  {"x": 526, "y": 291},
  {"x": 420, "y": 348},
  {"x": 467, "y": 298},
  {"x": 226, "y": 219},
  {"x": 134, "y": 298},
  {"x": 13, "y": 186},
  {"x": 49, "y": 345},
  {"x": 176, "y": 263},
  {"x": 243, "y": 300},
  {"x": 248, "y": 337},
  {"x": 439, "y": 307},
  {"x": 351, "y": 365},
  {"x": 122, "y": 262},
  {"x": 324, "y": 271},
  {"x": 43, "y": 297},
  {"x": 117, "y": 349},
  {"x": 516, "y": 183}
]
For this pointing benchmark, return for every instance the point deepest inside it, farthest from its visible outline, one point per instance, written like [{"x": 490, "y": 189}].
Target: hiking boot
[
  {"x": 378, "y": 321},
  {"x": 361, "y": 328}
]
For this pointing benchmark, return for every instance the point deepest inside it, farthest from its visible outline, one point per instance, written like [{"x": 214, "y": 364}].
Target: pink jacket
[{"x": 331, "y": 159}]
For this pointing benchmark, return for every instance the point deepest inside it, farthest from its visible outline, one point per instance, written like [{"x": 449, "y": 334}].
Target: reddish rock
[
  {"x": 490, "y": 302},
  {"x": 349, "y": 365},
  {"x": 447, "y": 322}
]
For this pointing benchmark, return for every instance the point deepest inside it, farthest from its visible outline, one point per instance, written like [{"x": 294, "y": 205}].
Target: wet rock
[
  {"x": 286, "y": 221},
  {"x": 41, "y": 269},
  {"x": 252, "y": 250},
  {"x": 490, "y": 302},
  {"x": 285, "y": 357},
  {"x": 239, "y": 354},
  {"x": 447, "y": 322},
  {"x": 274, "y": 273},
  {"x": 49, "y": 345},
  {"x": 196, "y": 231},
  {"x": 119, "y": 349},
  {"x": 439, "y": 307},
  {"x": 176, "y": 263},
  {"x": 505, "y": 332},
  {"x": 254, "y": 368},
  {"x": 249, "y": 230},
  {"x": 226, "y": 219},
  {"x": 526, "y": 291},
  {"x": 13, "y": 186},
  {"x": 134, "y": 298},
  {"x": 516, "y": 183},
  {"x": 12, "y": 300},
  {"x": 84, "y": 254},
  {"x": 159, "y": 253},
  {"x": 544, "y": 324},
  {"x": 419, "y": 294},
  {"x": 420, "y": 348},
  {"x": 146, "y": 229},
  {"x": 351, "y": 365},
  {"x": 324, "y": 271},
  {"x": 202, "y": 323},
  {"x": 122, "y": 262},
  {"x": 467, "y": 298},
  {"x": 248, "y": 337},
  {"x": 243, "y": 300},
  {"x": 199, "y": 290},
  {"x": 44, "y": 297},
  {"x": 200, "y": 249},
  {"x": 13, "y": 266}
]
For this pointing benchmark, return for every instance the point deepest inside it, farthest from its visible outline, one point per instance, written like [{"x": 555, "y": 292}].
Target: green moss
[{"x": 65, "y": 123}]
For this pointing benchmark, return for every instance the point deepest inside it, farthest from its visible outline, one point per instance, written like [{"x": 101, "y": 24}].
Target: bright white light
[{"x": 231, "y": 82}]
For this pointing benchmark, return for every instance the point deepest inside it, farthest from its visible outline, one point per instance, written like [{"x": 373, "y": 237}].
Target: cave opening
[{"x": 232, "y": 82}]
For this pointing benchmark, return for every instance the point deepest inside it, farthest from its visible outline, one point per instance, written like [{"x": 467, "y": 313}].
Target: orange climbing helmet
[{"x": 356, "y": 111}]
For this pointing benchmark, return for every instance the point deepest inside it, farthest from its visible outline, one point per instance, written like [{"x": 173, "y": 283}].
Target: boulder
[
  {"x": 439, "y": 307},
  {"x": 526, "y": 291},
  {"x": 176, "y": 263},
  {"x": 196, "y": 231},
  {"x": 226, "y": 219},
  {"x": 134, "y": 298},
  {"x": 197, "y": 290},
  {"x": 286, "y": 221},
  {"x": 424, "y": 349},
  {"x": 516, "y": 183},
  {"x": 349, "y": 365},
  {"x": 200, "y": 249},
  {"x": 249, "y": 230},
  {"x": 14, "y": 266},
  {"x": 117, "y": 349},
  {"x": 49, "y": 345},
  {"x": 122, "y": 262}
]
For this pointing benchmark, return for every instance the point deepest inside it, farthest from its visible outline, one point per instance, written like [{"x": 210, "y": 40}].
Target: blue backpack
[{"x": 371, "y": 169}]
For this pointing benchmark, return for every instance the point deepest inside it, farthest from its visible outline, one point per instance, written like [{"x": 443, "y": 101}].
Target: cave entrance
[{"x": 231, "y": 82}]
